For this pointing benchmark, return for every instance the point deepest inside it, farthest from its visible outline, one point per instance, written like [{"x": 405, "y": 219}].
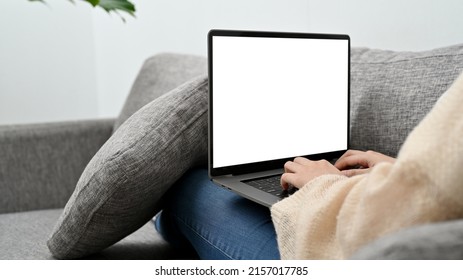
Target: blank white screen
[{"x": 277, "y": 98}]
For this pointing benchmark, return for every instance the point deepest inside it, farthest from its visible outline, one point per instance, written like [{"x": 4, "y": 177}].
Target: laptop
[{"x": 274, "y": 96}]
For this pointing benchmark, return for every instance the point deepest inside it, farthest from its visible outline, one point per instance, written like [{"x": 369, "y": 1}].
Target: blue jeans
[{"x": 215, "y": 223}]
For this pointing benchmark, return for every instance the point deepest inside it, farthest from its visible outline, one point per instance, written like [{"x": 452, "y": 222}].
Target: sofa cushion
[
  {"x": 392, "y": 91},
  {"x": 121, "y": 187},
  {"x": 438, "y": 241},
  {"x": 24, "y": 236},
  {"x": 159, "y": 75},
  {"x": 35, "y": 170}
]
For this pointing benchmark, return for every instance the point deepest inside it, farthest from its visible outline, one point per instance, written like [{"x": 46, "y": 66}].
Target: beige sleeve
[{"x": 333, "y": 216}]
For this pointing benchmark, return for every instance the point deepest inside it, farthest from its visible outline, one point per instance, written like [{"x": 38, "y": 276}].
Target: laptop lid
[{"x": 275, "y": 96}]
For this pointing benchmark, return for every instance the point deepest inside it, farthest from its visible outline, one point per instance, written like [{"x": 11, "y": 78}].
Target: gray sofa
[{"x": 40, "y": 164}]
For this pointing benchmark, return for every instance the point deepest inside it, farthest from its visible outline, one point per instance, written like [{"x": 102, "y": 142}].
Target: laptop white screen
[{"x": 277, "y": 98}]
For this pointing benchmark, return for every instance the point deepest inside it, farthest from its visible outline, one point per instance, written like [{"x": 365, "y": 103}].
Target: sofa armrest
[
  {"x": 436, "y": 241},
  {"x": 40, "y": 164}
]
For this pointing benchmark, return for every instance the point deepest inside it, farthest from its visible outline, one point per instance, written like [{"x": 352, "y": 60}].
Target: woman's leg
[{"x": 217, "y": 223}]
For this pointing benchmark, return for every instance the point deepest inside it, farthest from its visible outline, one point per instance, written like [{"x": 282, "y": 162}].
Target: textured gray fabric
[
  {"x": 159, "y": 75},
  {"x": 121, "y": 187},
  {"x": 24, "y": 235},
  {"x": 440, "y": 241},
  {"x": 41, "y": 163},
  {"x": 392, "y": 91}
]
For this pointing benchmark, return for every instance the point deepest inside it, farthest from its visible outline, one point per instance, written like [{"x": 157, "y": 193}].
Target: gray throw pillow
[
  {"x": 120, "y": 189},
  {"x": 392, "y": 91},
  {"x": 160, "y": 74}
]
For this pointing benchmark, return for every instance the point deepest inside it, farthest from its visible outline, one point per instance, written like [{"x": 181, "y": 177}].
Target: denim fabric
[{"x": 215, "y": 223}]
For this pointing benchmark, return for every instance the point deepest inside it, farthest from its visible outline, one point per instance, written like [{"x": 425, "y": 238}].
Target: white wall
[
  {"x": 391, "y": 24},
  {"x": 47, "y": 62},
  {"x": 177, "y": 26},
  {"x": 65, "y": 61}
]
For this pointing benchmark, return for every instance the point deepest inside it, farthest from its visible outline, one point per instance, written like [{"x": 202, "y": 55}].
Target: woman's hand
[
  {"x": 300, "y": 171},
  {"x": 355, "y": 162}
]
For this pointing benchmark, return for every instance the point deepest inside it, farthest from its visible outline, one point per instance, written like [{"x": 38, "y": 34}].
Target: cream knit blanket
[{"x": 332, "y": 216}]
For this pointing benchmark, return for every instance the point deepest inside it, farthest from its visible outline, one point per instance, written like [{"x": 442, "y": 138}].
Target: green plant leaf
[
  {"x": 117, "y": 5},
  {"x": 93, "y": 2},
  {"x": 108, "y": 5}
]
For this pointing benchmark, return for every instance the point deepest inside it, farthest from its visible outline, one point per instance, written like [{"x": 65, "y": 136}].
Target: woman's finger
[
  {"x": 353, "y": 160},
  {"x": 302, "y": 160},
  {"x": 354, "y": 172},
  {"x": 287, "y": 179},
  {"x": 292, "y": 167},
  {"x": 350, "y": 153}
]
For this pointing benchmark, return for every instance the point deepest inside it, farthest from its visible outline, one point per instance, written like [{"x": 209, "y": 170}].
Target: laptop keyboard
[{"x": 270, "y": 184}]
